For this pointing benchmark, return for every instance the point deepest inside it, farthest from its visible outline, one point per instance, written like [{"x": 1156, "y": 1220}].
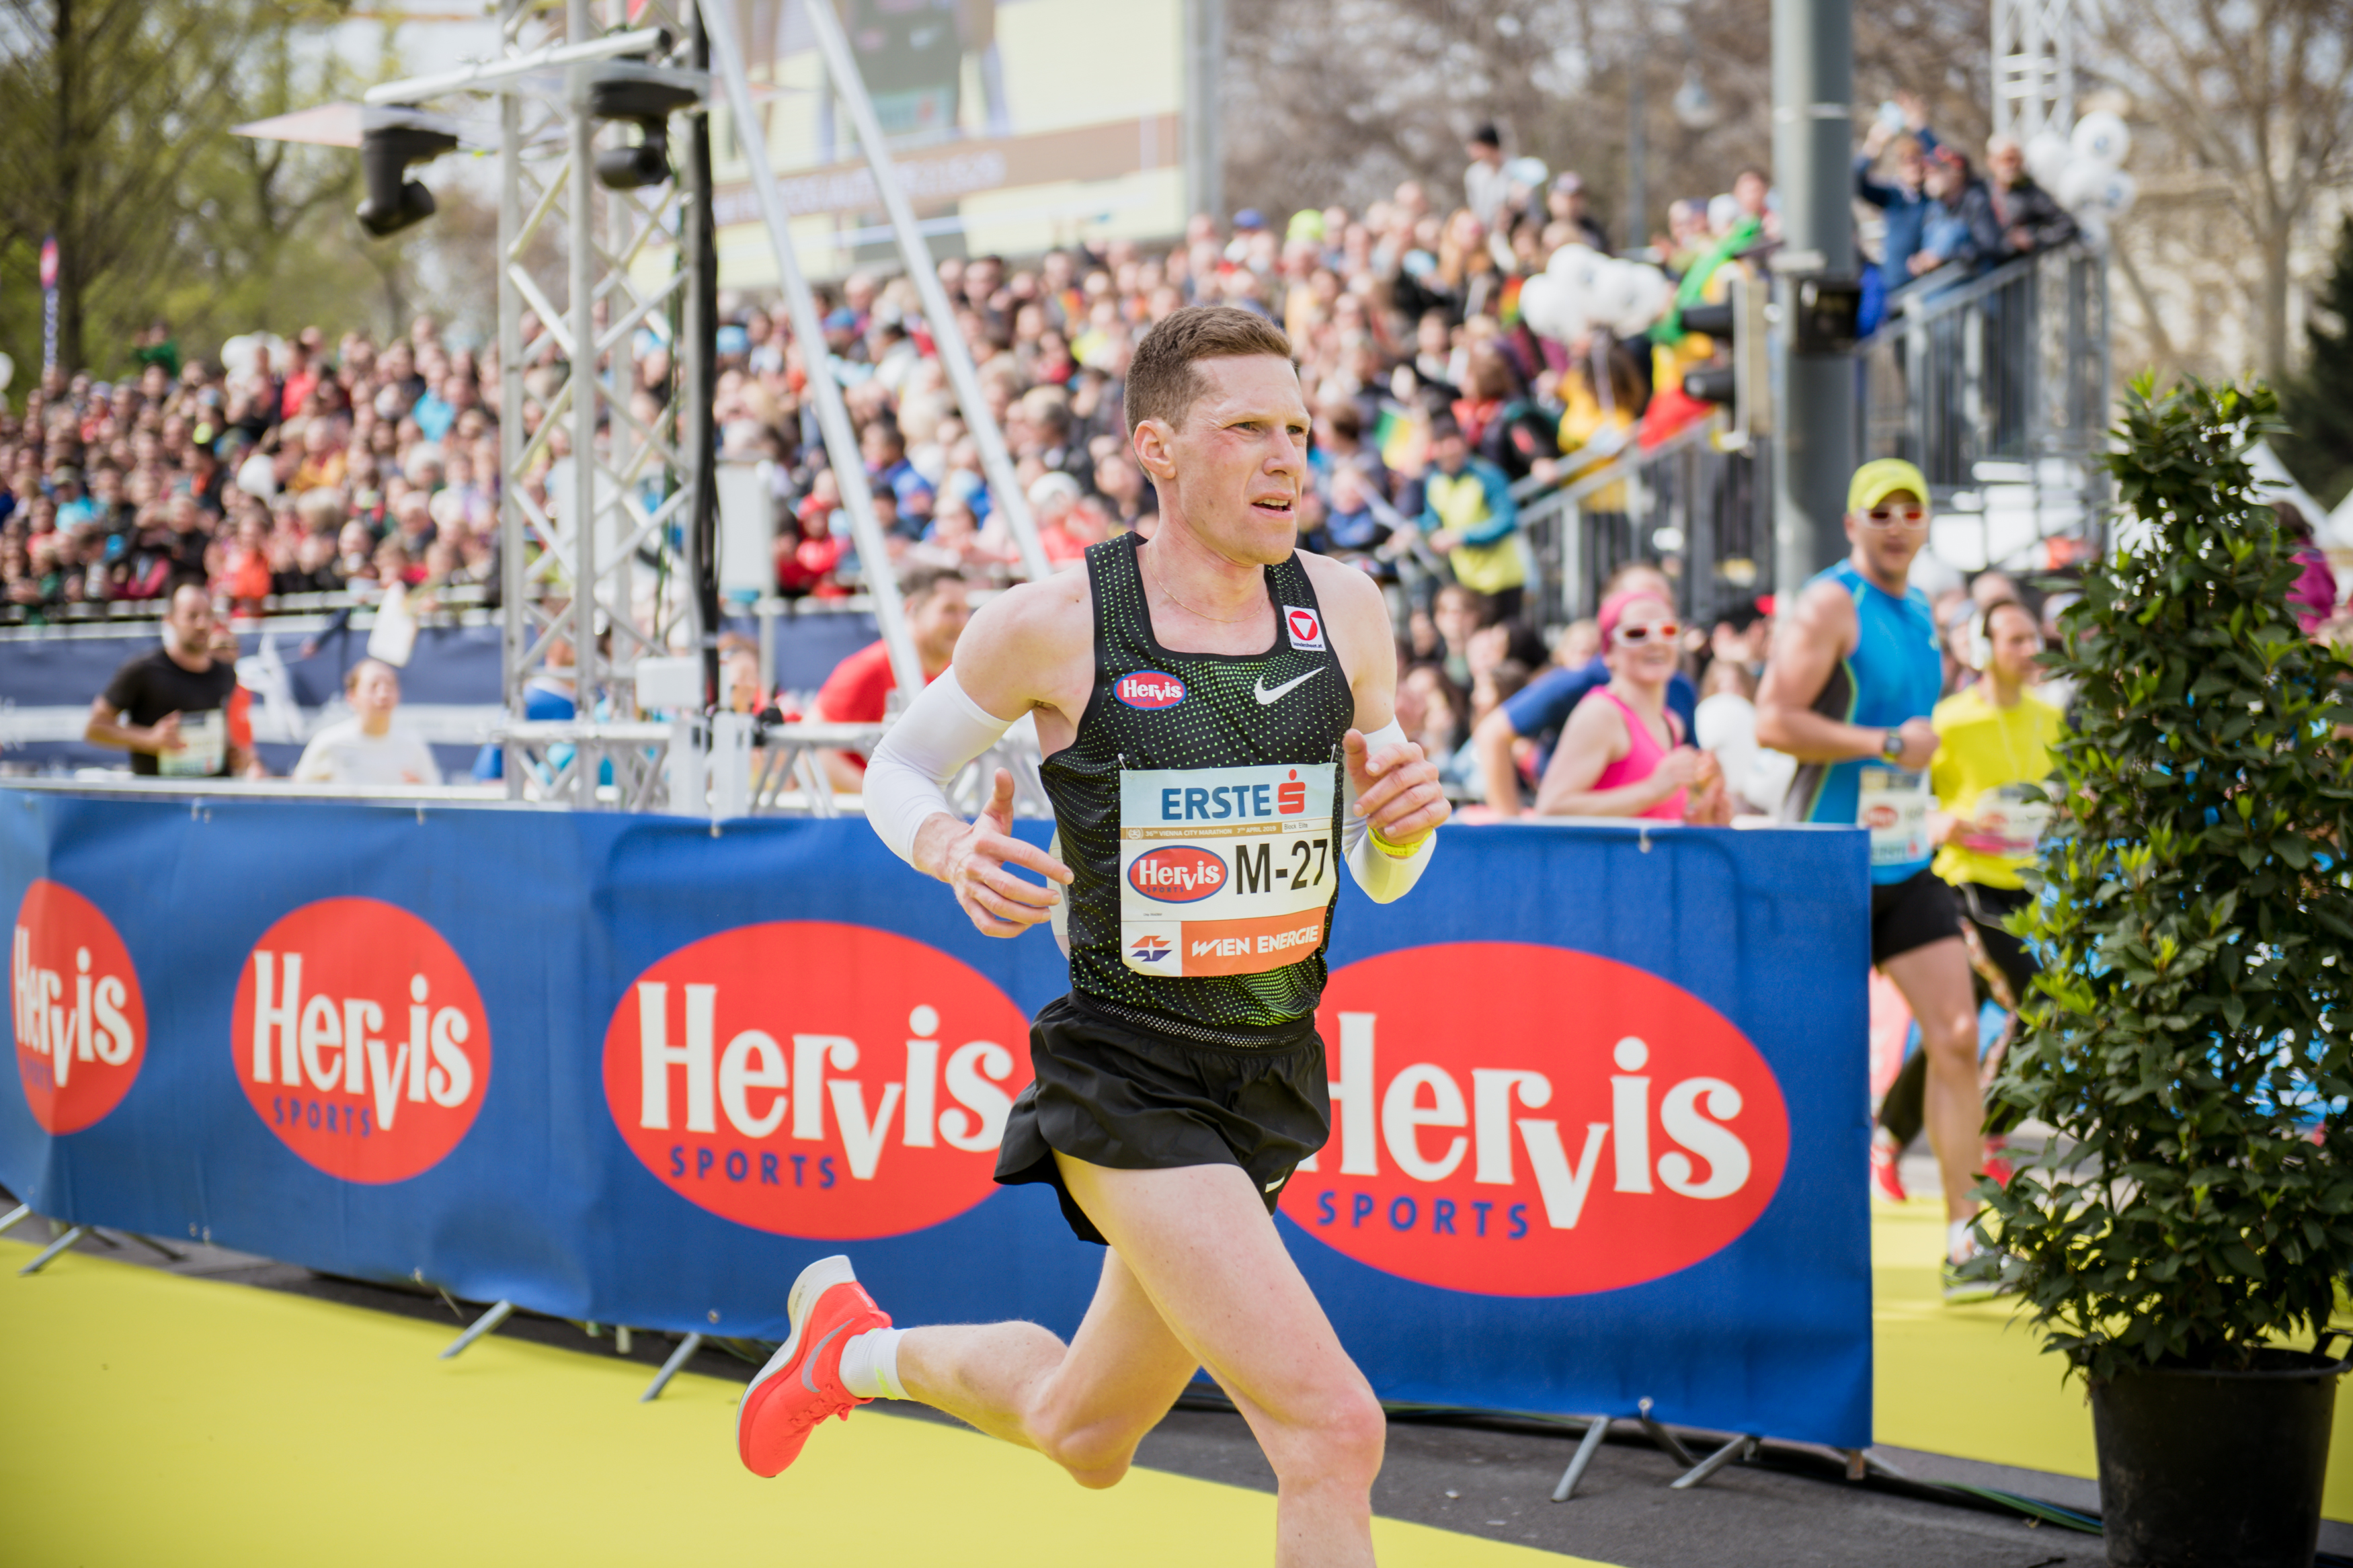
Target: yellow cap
[{"x": 1881, "y": 477}]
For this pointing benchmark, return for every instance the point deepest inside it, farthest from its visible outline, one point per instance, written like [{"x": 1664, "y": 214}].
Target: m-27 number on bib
[{"x": 1225, "y": 870}]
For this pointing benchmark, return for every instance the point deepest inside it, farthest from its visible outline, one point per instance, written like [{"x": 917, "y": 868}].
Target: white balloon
[
  {"x": 1554, "y": 308},
  {"x": 2118, "y": 192},
  {"x": 237, "y": 355},
  {"x": 2091, "y": 228},
  {"x": 258, "y": 477},
  {"x": 1615, "y": 291},
  {"x": 2079, "y": 185},
  {"x": 7, "y": 371},
  {"x": 2046, "y": 158},
  {"x": 2101, "y": 137}
]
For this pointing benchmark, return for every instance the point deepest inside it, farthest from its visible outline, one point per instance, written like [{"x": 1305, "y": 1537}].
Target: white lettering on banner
[
  {"x": 753, "y": 1087},
  {"x": 1691, "y": 1114},
  {"x": 330, "y": 1043},
  {"x": 93, "y": 1030}
]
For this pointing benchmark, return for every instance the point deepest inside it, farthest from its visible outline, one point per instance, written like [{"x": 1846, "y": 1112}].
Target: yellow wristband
[{"x": 1395, "y": 852}]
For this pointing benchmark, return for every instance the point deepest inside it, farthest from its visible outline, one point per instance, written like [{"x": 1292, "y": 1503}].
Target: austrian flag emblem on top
[{"x": 1305, "y": 628}]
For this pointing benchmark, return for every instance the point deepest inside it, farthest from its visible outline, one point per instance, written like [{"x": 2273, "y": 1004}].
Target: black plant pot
[{"x": 2216, "y": 1470}]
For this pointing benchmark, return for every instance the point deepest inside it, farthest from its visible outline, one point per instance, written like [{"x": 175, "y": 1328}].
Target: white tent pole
[
  {"x": 832, "y": 414},
  {"x": 954, "y": 353}
]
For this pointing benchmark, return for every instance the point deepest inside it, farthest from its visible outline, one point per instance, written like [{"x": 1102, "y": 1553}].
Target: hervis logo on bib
[
  {"x": 1180, "y": 873},
  {"x": 1544, "y": 1123},
  {"x": 82, "y": 1023},
  {"x": 1149, "y": 689},
  {"x": 817, "y": 1080}
]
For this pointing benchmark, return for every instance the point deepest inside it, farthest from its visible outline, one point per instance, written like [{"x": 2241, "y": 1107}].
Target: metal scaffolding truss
[{"x": 2033, "y": 68}]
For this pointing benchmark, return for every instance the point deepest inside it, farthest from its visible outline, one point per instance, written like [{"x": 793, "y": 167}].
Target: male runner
[
  {"x": 1214, "y": 696},
  {"x": 1854, "y": 675}
]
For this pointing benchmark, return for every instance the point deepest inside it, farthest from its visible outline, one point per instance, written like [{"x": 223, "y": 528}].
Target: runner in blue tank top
[
  {"x": 1216, "y": 707},
  {"x": 1854, "y": 677}
]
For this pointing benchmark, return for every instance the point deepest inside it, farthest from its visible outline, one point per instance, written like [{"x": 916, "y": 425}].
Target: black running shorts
[
  {"x": 1911, "y": 913},
  {"x": 1120, "y": 1094}
]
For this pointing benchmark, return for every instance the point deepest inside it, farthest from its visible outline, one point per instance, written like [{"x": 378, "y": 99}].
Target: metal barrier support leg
[
  {"x": 678, "y": 1358},
  {"x": 1595, "y": 1430},
  {"x": 1740, "y": 1447},
  {"x": 1664, "y": 1438},
  {"x": 60, "y": 1245},
  {"x": 16, "y": 1217},
  {"x": 151, "y": 1245},
  {"x": 498, "y": 1314}
]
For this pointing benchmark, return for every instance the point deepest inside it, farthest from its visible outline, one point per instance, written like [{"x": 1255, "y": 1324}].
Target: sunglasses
[
  {"x": 1900, "y": 516},
  {"x": 1665, "y": 631}
]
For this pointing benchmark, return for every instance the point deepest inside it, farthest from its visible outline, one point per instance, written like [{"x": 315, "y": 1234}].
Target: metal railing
[
  {"x": 2008, "y": 368},
  {"x": 1693, "y": 505}
]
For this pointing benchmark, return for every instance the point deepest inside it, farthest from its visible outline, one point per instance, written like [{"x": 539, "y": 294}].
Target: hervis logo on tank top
[
  {"x": 1149, "y": 689},
  {"x": 1544, "y": 1122},
  {"x": 360, "y": 1039},
  {"x": 817, "y": 1079},
  {"x": 81, "y": 1022}
]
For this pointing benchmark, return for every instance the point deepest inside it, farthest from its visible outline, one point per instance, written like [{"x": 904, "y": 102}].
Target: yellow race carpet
[
  {"x": 1973, "y": 1381},
  {"x": 151, "y": 1419}
]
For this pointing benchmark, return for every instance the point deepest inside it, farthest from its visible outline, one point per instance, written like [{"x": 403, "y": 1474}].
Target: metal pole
[
  {"x": 1638, "y": 194},
  {"x": 832, "y": 415},
  {"x": 587, "y": 668},
  {"x": 699, "y": 383},
  {"x": 492, "y": 74},
  {"x": 841, "y": 69},
  {"x": 514, "y": 618},
  {"x": 1205, "y": 141},
  {"x": 1813, "y": 88}
]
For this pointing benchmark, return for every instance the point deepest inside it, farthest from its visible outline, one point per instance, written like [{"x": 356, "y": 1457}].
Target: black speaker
[{"x": 648, "y": 105}]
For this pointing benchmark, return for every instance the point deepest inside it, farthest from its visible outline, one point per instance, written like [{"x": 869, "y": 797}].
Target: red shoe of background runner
[
  {"x": 801, "y": 1384},
  {"x": 1883, "y": 1173},
  {"x": 1996, "y": 1160}
]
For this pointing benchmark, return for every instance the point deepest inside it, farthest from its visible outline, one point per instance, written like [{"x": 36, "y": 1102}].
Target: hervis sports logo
[
  {"x": 360, "y": 1039},
  {"x": 1149, "y": 689},
  {"x": 82, "y": 1023},
  {"x": 1511, "y": 1119},
  {"x": 817, "y": 1079},
  {"x": 1177, "y": 874}
]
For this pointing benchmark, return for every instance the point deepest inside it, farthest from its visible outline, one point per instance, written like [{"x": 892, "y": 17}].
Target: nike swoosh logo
[
  {"x": 808, "y": 1367},
  {"x": 1266, "y": 697}
]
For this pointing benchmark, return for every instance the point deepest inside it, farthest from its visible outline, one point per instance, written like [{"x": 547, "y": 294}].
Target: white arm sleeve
[
  {"x": 907, "y": 778},
  {"x": 1384, "y": 877}
]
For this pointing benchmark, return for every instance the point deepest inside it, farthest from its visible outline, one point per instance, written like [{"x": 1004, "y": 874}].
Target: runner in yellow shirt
[{"x": 1994, "y": 744}]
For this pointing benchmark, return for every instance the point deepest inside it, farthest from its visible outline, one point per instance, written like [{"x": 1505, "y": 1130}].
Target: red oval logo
[
  {"x": 360, "y": 1039},
  {"x": 1879, "y": 816},
  {"x": 1544, "y": 1123},
  {"x": 1149, "y": 689},
  {"x": 864, "y": 1096},
  {"x": 1178, "y": 873},
  {"x": 82, "y": 1023}
]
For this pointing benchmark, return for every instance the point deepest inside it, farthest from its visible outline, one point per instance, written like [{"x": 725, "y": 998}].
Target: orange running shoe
[
  {"x": 1885, "y": 1155},
  {"x": 801, "y": 1384}
]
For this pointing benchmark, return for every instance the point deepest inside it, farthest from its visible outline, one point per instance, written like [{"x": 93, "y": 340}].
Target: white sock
[
  {"x": 870, "y": 1364},
  {"x": 1959, "y": 1243}
]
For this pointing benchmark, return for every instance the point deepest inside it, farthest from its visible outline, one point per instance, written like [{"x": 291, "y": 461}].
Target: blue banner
[{"x": 1599, "y": 1125}]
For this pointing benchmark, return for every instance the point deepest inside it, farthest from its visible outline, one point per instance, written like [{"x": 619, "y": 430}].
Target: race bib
[
  {"x": 2007, "y": 824},
  {"x": 203, "y": 741},
  {"x": 1893, "y": 804},
  {"x": 1225, "y": 870}
]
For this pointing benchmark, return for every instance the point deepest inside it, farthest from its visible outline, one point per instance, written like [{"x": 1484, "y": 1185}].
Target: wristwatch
[{"x": 1891, "y": 745}]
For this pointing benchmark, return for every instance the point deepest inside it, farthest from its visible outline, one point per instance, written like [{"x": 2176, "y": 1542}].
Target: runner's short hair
[{"x": 1161, "y": 381}]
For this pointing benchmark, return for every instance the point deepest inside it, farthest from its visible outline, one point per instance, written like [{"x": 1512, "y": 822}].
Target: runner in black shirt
[{"x": 169, "y": 708}]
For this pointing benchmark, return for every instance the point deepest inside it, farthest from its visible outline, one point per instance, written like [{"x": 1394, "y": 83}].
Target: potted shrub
[{"x": 2188, "y": 1040}]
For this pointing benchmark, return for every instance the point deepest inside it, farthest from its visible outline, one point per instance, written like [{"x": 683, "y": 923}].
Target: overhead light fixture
[
  {"x": 390, "y": 141},
  {"x": 646, "y": 97}
]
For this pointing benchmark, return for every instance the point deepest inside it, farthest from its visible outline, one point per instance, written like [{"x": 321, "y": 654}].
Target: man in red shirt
[{"x": 938, "y": 604}]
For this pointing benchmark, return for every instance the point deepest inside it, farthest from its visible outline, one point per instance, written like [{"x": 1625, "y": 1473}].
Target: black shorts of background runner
[
  {"x": 1911, "y": 913},
  {"x": 1905, "y": 1108},
  {"x": 1117, "y": 1094}
]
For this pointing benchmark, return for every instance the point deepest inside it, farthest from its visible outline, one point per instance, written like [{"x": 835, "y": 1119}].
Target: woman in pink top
[{"x": 1623, "y": 753}]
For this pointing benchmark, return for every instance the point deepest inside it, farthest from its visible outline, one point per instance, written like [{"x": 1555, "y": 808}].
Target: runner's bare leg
[
  {"x": 1935, "y": 981},
  {"x": 1197, "y": 1250}
]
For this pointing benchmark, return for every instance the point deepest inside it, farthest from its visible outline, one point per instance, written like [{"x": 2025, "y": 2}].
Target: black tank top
[{"x": 1199, "y": 809}]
